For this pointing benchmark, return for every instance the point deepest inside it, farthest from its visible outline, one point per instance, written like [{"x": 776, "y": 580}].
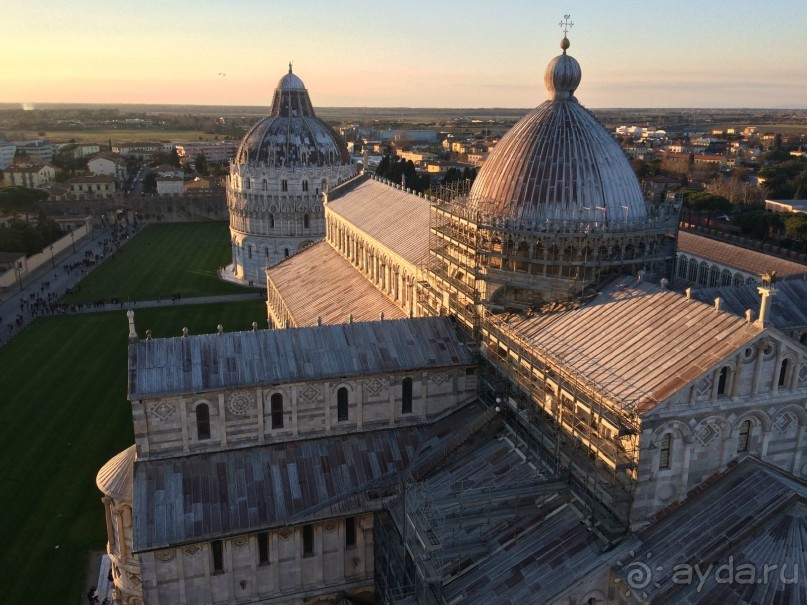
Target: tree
[
  {"x": 758, "y": 223},
  {"x": 150, "y": 183},
  {"x": 201, "y": 163},
  {"x": 709, "y": 203},
  {"x": 796, "y": 227}
]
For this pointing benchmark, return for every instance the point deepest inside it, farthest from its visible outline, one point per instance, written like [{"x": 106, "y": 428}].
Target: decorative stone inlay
[
  {"x": 164, "y": 411},
  {"x": 330, "y": 527},
  {"x": 704, "y": 387},
  {"x": 166, "y": 555},
  {"x": 239, "y": 542},
  {"x": 310, "y": 393},
  {"x": 707, "y": 433},
  {"x": 803, "y": 374},
  {"x": 191, "y": 551},
  {"x": 783, "y": 423},
  {"x": 285, "y": 533},
  {"x": 375, "y": 386},
  {"x": 440, "y": 377},
  {"x": 134, "y": 579},
  {"x": 240, "y": 403}
]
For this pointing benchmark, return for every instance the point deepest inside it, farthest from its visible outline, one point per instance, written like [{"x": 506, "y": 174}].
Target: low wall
[
  {"x": 31, "y": 263},
  {"x": 151, "y": 208}
]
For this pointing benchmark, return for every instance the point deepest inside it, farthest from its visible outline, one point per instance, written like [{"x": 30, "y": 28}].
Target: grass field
[
  {"x": 65, "y": 413},
  {"x": 162, "y": 260}
]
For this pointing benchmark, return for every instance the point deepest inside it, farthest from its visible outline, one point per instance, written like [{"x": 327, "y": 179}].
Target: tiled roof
[
  {"x": 208, "y": 362},
  {"x": 788, "y": 308},
  {"x": 638, "y": 342},
  {"x": 396, "y": 219},
  {"x": 92, "y": 178},
  {"x": 735, "y": 257},
  {"x": 754, "y": 516},
  {"x": 319, "y": 282},
  {"x": 197, "y": 498}
]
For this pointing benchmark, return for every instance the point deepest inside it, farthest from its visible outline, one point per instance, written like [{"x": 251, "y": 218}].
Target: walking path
[{"x": 38, "y": 293}]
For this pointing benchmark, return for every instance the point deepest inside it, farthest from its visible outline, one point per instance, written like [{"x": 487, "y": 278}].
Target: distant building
[
  {"x": 412, "y": 136},
  {"x": 36, "y": 150},
  {"x": 170, "y": 185},
  {"x": 786, "y": 205},
  {"x": 416, "y": 157},
  {"x": 7, "y": 151},
  {"x": 79, "y": 150},
  {"x": 30, "y": 175},
  {"x": 218, "y": 151},
  {"x": 91, "y": 187},
  {"x": 110, "y": 164},
  {"x": 166, "y": 170},
  {"x": 140, "y": 150}
]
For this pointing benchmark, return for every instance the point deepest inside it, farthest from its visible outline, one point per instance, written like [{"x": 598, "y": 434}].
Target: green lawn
[
  {"x": 162, "y": 260},
  {"x": 65, "y": 413}
]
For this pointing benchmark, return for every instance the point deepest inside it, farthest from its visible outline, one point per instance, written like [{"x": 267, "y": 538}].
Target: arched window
[
  {"x": 286, "y": 252},
  {"x": 305, "y": 185},
  {"x": 721, "y": 381},
  {"x": 277, "y": 411},
  {"x": 665, "y": 454},
  {"x": 249, "y": 251},
  {"x": 271, "y": 221},
  {"x": 341, "y": 405},
  {"x": 782, "y": 373},
  {"x": 249, "y": 183},
  {"x": 265, "y": 185},
  {"x": 306, "y": 221},
  {"x": 202, "y": 422},
  {"x": 284, "y": 185},
  {"x": 406, "y": 396},
  {"x": 745, "y": 433}
]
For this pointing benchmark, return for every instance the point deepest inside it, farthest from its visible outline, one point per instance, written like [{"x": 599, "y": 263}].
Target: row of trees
[
  {"x": 397, "y": 170},
  {"x": 21, "y": 235}
]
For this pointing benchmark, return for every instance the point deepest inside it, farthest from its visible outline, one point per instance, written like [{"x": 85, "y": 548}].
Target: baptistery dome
[
  {"x": 292, "y": 134},
  {"x": 284, "y": 164},
  {"x": 558, "y": 163}
]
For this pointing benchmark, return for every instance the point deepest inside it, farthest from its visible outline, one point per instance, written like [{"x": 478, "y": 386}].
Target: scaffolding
[{"x": 477, "y": 267}]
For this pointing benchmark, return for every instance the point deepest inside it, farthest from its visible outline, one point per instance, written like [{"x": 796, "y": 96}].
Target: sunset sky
[{"x": 416, "y": 53}]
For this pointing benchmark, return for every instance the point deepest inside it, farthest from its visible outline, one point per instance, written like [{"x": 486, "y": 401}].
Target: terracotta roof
[
  {"x": 92, "y": 178},
  {"x": 396, "y": 219},
  {"x": 115, "y": 477},
  {"x": 26, "y": 168},
  {"x": 319, "y": 282},
  {"x": 211, "y": 362},
  {"x": 637, "y": 342},
  {"x": 736, "y": 257}
]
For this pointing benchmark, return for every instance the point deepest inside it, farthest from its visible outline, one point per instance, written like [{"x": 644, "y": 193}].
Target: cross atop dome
[{"x": 565, "y": 25}]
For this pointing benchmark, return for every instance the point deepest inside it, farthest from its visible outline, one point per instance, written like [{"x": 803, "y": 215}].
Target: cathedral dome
[
  {"x": 558, "y": 163},
  {"x": 292, "y": 135}
]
